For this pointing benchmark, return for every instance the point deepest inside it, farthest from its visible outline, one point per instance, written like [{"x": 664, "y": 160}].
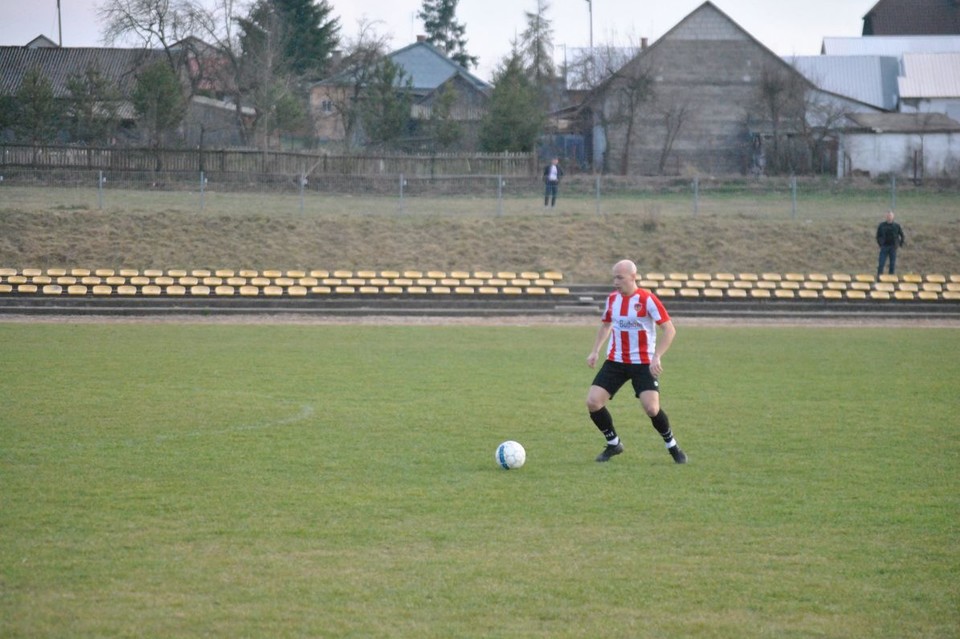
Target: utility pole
[
  {"x": 590, "y": 5},
  {"x": 59, "y": 24}
]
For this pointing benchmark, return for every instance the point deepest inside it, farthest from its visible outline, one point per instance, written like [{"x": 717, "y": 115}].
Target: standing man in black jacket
[
  {"x": 551, "y": 179},
  {"x": 889, "y": 239}
]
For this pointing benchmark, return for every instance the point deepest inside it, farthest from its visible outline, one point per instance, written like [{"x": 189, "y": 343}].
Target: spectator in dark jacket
[
  {"x": 889, "y": 239},
  {"x": 551, "y": 178}
]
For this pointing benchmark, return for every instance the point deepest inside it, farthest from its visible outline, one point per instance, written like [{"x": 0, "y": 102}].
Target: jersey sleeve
[
  {"x": 608, "y": 310},
  {"x": 658, "y": 310}
]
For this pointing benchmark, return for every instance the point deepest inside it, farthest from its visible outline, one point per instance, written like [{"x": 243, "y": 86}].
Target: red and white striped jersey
[{"x": 634, "y": 320}]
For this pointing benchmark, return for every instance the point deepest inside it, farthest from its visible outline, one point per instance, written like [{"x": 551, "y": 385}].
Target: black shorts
[{"x": 613, "y": 375}]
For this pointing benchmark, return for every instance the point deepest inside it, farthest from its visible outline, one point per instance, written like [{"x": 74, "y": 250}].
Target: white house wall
[{"x": 893, "y": 153}]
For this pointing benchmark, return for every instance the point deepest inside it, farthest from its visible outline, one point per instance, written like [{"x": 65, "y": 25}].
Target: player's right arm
[{"x": 602, "y": 334}]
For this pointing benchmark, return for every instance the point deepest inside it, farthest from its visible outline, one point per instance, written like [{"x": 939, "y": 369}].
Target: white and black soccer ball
[{"x": 510, "y": 455}]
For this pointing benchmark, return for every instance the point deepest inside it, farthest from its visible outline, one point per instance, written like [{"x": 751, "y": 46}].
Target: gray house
[{"x": 707, "y": 97}]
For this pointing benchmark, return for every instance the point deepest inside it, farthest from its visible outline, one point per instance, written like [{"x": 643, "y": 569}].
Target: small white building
[{"x": 908, "y": 145}]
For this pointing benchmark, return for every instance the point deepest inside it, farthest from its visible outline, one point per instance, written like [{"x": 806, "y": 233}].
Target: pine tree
[
  {"x": 514, "y": 119},
  {"x": 444, "y": 32}
]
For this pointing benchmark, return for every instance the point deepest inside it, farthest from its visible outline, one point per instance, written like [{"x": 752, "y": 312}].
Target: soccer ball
[{"x": 510, "y": 455}]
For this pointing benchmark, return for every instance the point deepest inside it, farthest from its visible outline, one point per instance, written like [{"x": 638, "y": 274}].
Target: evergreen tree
[
  {"x": 514, "y": 119},
  {"x": 538, "y": 45},
  {"x": 444, "y": 32},
  {"x": 93, "y": 107},
  {"x": 37, "y": 115},
  {"x": 306, "y": 33},
  {"x": 158, "y": 101},
  {"x": 446, "y": 130},
  {"x": 385, "y": 110}
]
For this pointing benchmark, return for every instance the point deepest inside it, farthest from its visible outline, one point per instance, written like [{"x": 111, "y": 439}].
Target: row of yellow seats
[
  {"x": 758, "y": 278},
  {"x": 5, "y": 273},
  {"x": 270, "y": 290},
  {"x": 808, "y": 293}
]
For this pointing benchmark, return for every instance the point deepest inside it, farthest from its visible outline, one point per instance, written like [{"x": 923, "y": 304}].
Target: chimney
[
  {"x": 643, "y": 44},
  {"x": 421, "y": 38}
]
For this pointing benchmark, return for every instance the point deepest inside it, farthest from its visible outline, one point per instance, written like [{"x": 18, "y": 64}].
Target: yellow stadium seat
[
  {"x": 320, "y": 290},
  {"x": 426, "y": 281},
  {"x": 506, "y": 275},
  {"x": 79, "y": 272},
  {"x": 260, "y": 281},
  {"x": 41, "y": 279},
  {"x": 77, "y": 289},
  {"x": 912, "y": 278},
  {"x": 188, "y": 281},
  {"x": 139, "y": 280},
  {"x": 151, "y": 289},
  {"x": 496, "y": 281},
  {"x": 813, "y": 286},
  {"x": 656, "y": 277},
  {"x": 319, "y": 274},
  {"x": 795, "y": 277},
  {"x": 559, "y": 290},
  {"x": 536, "y": 290},
  {"x": 248, "y": 273},
  {"x": 696, "y": 284},
  {"x": 832, "y": 295},
  {"x": 164, "y": 280},
  {"x": 437, "y": 275},
  {"x": 748, "y": 277},
  {"x": 212, "y": 281},
  {"x": 904, "y": 295},
  {"x": 512, "y": 290},
  {"x": 450, "y": 281},
  {"x": 928, "y": 296},
  {"x": 937, "y": 278},
  {"x": 32, "y": 272},
  {"x": 250, "y": 291},
  {"x": 933, "y": 287},
  {"x": 225, "y": 272},
  {"x": 482, "y": 275},
  {"x": 273, "y": 290},
  {"x": 784, "y": 293},
  {"x": 345, "y": 290},
  {"x": 530, "y": 275},
  {"x": 297, "y": 291},
  {"x": 701, "y": 277},
  {"x": 308, "y": 281},
  {"x": 679, "y": 276},
  {"x": 771, "y": 277},
  {"x": 721, "y": 284},
  {"x": 295, "y": 275},
  {"x": 52, "y": 272},
  {"x": 818, "y": 277},
  {"x": 393, "y": 290},
  {"x": 66, "y": 280},
  {"x": 7, "y": 272},
  {"x": 413, "y": 274},
  {"x": 6, "y": 288},
  {"x": 856, "y": 294},
  {"x": 224, "y": 290},
  {"x": 200, "y": 273},
  {"x": 689, "y": 292},
  {"x": 743, "y": 284},
  {"x": 116, "y": 280},
  {"x": 814, "y": 294},
  {"x": 913, "y": 287},
  {"x": 369, "y": 290},
  {"x": 236, "y": 281},
  {"x": 864, "y": 277},
  {"x": 90, "y": 280},
  {"x": 103, "y": 289},
  {"x": 841, "y": 277},
  {"x": 884, "y": 287},
  {"x": 725, "y": 277},
  {"x": 760, "y": 293},
  {"x": 556, "y": 276},
  {"x": 284, "y": 281},
  {"x": 464, "y": 290},
  {"x": 951, "y": 295},
  {"x": 460, "y": 275},
  {"x": 488, "y": 290},
  {"x": 837, "y": 286},
  {"x": 951, "y": 287},
  {"x": 366, "y": 274},
  {"x": 417, "y": 290},
  {"x": 792, "y": 286},
  {"x": 200, "y": 290},
  {"x": 713, "y": 292},
  {"x": 666, "y": 292},
  {"x": 473, "y": 281},
  {"x": 879, "y": 295},
  {"x": 52, "y": 289},
  {"x": 859, "y": 286},
  {"x": 176, "y": 289},
  {"x": 519, "y": 281},
  {"x": 890, "y": 279},
  {"x": 440, "y": 290},
  {"x": 767, "y": 285},
  {"x": 736, "y": 292},
  {"x": 272, "y": 273}
]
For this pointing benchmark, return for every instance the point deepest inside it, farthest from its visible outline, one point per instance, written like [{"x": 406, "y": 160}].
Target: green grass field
[{"x": 205, "y": 480}]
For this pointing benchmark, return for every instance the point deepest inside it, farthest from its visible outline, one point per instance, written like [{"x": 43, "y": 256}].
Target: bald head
[{"x": 625, "y": 277}]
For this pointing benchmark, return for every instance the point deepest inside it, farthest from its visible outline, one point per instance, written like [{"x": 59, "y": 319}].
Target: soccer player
[{"x": 630, "y": 320}]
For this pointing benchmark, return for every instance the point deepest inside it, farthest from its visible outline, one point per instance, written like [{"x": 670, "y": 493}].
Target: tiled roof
[
  {"x": 912, "y": 17},
  {"x": 59, "y": 64}
]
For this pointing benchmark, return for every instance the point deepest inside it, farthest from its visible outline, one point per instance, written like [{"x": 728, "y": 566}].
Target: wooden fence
[{"x": 266, "y": 162}]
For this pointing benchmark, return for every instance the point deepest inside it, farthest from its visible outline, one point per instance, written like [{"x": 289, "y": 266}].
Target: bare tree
[
  {"x": 154, "y": 24},
  {"x": 674, "y": 116}
]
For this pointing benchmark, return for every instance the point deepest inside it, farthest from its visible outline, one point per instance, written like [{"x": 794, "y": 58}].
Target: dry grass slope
[{"x": 581, "y": 246}]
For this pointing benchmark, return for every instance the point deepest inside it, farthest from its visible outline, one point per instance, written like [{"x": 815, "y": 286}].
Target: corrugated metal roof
[
  {"x": 890, "y": 45},
  {"x": 930, "y": 75},
  {"x": 428, "y": 67},
  {"x": 59, "y": 64},
  {"x": 868, "y": 79}
]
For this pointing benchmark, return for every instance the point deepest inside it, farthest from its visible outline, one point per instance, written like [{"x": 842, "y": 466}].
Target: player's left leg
[{"x": 650, "y": 400}]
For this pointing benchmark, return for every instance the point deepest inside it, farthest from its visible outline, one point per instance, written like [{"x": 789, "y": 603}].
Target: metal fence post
[
  {"x": 100, "y": 189},
  {"x": 402, "y": 183},
  {"x": 499, "y": 196},
  {"x": 793, "y": 192},
  {"x": 303, "y": 183},
  {"x": 598, "y": 193},
  {"x": 696, "y": 195},
  {"x": 203, "y": 182},
  {"x": 893, "y": 192}
]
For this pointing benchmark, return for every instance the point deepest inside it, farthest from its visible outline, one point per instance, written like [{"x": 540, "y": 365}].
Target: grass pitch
[{"x": 338, "y": 481}]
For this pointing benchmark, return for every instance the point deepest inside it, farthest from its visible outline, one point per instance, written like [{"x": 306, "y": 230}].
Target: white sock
[
  {"x": 614, "y": 441},
  {"x": 671, "y": 443}
]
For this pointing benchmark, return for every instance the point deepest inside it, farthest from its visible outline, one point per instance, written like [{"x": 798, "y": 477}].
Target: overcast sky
[{"x": 787, "y": 27}]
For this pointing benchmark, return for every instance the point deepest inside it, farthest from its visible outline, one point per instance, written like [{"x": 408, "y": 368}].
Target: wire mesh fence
[{"x": 484, "y": 195}]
